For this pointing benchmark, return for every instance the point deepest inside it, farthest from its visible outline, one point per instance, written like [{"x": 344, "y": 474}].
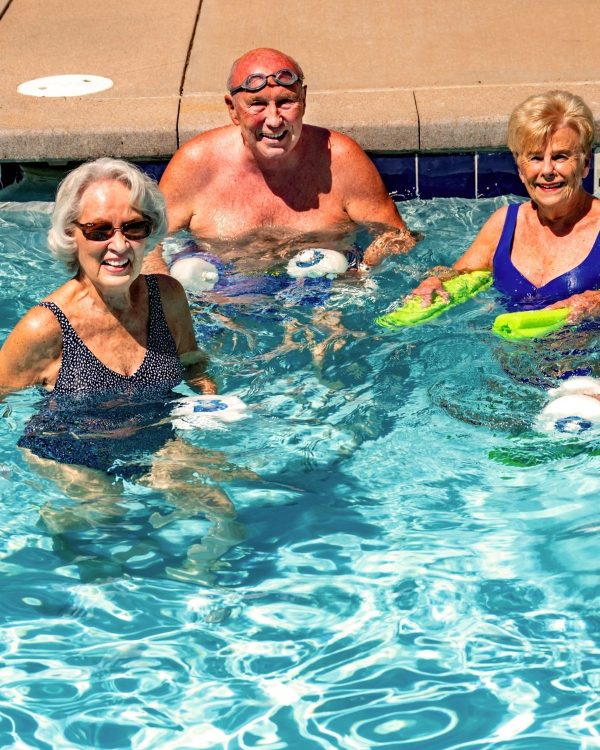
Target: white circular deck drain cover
[{"x": 77, "y": 84}]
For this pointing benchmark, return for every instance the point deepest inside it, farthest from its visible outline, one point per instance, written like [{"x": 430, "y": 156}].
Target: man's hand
[{"x": 390, "y": 242}]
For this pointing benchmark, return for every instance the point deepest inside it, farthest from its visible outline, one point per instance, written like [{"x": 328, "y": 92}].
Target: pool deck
[{"x": 397, "y": 75}]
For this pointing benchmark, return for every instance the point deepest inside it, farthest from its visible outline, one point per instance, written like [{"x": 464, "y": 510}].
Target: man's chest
[{"x": 235, "y": 205}]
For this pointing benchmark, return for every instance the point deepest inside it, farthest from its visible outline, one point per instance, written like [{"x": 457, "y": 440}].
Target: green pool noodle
[
  {"x": 460, "y": 289},
  {"x": 530, "y": 324}
]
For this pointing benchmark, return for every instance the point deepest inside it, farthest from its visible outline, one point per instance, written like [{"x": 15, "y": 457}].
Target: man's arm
[
  {"x": 180, "y": 174},
  {"x": 366, "y": 201},
  {"x": 154, "y": 262}
]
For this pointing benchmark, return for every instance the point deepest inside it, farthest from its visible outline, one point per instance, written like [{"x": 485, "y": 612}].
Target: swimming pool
[{"x": 411, "y": 566}]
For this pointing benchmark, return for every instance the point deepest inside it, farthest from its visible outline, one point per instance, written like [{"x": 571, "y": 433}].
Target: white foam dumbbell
[{"x": 315, "y": 262}]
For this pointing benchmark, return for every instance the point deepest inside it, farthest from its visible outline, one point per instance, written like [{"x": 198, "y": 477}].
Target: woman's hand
[
  {"x": 432, "y": 286},
  {"x": 428, "y": 289},
  {"x": 581, "y": 306}
]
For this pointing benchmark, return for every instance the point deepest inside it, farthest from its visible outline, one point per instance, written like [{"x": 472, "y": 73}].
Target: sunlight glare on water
[{"x": 411, "y": 565}]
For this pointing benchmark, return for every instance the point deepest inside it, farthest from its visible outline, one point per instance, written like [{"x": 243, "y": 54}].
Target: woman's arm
[
  {"x": 478, "y": 257},
  {"x": 179, "y": 319},
  {"x": 581, "y": 306},
  {"x": 31, "y": 354}
]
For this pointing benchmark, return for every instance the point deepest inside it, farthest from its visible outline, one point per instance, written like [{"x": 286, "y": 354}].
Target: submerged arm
[
  {"x": 478, "y": 257},
  {"x": 180, "y": 174}
]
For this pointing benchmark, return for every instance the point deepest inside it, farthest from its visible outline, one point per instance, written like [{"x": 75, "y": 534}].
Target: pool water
[{"x": 412, "y": 565}]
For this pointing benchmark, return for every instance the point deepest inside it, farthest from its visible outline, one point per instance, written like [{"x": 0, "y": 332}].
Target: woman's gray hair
[{"x": 145, "y": 198}]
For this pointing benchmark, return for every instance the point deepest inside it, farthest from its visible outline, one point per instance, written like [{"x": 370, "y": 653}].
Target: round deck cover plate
[{"x": 77, "y": 84}]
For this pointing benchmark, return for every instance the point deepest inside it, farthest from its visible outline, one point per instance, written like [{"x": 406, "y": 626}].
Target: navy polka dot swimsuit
[
  {"x": 99, "y": 418},
  {"x": 82, "y": 372}
]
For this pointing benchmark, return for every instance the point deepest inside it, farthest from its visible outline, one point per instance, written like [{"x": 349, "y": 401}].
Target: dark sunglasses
[
  {"x": 131, "y": 230},
  {"x": 257, "y": 81}
]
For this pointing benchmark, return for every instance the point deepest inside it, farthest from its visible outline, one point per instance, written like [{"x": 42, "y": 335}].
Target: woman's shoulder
[
  {"x": 42, "y": 320},
  {"x": 595, "y": 208},
  {"x": 35, "y": 341},
  {"x": 168, "y": 286},
  {"x": 41, "y": 317},
  {"x": 481, "y": 252},
  {"x": 172, "y": 296},
  {"x": 500, "y": 214},
  {"x": 493, "y": 226},
  {"x": 39, "y": 327},
  {"x": 176, "y": 311}
]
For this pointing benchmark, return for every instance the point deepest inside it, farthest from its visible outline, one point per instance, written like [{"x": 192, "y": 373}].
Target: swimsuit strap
[
  {"x": 159, "y": 333},
  {"x": 508, "y": 280},
  {"x": 69, "y": 334},
  {"x": 504, "y": 247},
  {"x": 591, "y": 258},
  {"x": 61, "y": 317}
]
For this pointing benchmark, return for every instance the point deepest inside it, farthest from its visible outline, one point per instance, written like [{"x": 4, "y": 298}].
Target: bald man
[{"x": 268, "y": 178}]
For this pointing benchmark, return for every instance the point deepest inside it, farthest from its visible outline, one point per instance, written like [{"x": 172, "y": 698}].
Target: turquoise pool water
[{"x": 411, "y": 564}]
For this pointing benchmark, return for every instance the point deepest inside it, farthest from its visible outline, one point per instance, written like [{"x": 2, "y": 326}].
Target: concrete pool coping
[{"x": 400, "y": 77}]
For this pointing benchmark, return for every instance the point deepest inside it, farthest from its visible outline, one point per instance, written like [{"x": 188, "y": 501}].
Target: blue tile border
[
  {"x": 497, "y": 175},
  {"x": 446, "y": 176},
  {"x": 153, "y": 169},
  {"x": 399, "y": 174},
  {"x": 588, "y": 182},
  {"x": 476, "y": 174}
]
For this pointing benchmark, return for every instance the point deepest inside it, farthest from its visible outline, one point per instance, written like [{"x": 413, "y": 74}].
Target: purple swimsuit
[{"x": 519, "y": 293}]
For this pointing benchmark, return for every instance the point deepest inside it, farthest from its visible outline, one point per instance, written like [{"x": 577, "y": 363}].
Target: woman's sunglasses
[{"x": 131, "y": 230}]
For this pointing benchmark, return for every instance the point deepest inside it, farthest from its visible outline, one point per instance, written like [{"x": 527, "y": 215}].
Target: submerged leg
[{"x": 97, "y": 494}]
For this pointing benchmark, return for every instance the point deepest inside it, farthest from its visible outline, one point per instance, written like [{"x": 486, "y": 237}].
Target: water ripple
[{"x": 417, "y": 567}]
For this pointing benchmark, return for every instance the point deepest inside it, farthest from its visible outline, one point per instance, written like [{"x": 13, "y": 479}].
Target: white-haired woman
[
  {"x": 108, "y": 346},
  {"x": 546, "y": 252},
  {"x": 108, "y": 328}
]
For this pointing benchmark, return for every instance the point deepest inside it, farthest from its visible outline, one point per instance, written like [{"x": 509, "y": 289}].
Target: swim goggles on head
[
  {"x": 257, "y": 81},
  {"x": 138, "y": 229}
]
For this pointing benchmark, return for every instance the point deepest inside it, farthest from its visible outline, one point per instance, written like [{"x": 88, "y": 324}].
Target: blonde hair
[
  {"x": 145, "y": 197},
  {"x": 534, "y": 120}
]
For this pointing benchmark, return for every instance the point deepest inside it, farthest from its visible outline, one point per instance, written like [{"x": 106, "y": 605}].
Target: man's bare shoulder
[
  {"x": 202, "y": 148},
  {"x": 344, "y": 152},
  {"x": 356, "y": 182},
  {"x": 192, "y": 169},
  {"x": 343, "y": 147},
  {"x": 351, "y": 168},
  {"x": 348, "y": 160}
]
